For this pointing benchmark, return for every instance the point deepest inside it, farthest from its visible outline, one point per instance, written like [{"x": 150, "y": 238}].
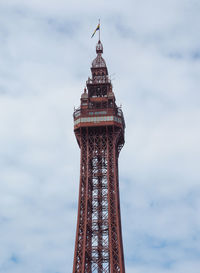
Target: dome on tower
[
  {"x": 99, "y": 61},
  {"x": 84, "y": 95}
]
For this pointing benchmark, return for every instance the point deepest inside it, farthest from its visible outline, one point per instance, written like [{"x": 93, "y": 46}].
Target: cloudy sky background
[{"x": 152, "y": 50}]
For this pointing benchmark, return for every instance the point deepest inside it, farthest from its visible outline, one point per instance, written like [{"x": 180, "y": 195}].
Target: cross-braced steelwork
[{"x": 99, "y": 129}]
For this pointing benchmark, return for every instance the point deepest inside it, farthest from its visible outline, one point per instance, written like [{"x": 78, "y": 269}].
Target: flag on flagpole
[{"x": 97, "y": 28}]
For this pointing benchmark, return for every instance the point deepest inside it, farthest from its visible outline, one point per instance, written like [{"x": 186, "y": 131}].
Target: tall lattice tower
[{"x": 99, "y": 128}]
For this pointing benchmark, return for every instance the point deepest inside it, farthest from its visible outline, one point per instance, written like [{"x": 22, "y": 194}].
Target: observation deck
[{"x": 98, "y": 117}]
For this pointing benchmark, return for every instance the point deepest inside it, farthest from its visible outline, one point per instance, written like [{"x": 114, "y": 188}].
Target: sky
[{"x": 152, "y": 51}]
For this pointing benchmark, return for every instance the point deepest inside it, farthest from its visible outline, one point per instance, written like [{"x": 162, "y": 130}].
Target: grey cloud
[{"x": 46, "y": 52}]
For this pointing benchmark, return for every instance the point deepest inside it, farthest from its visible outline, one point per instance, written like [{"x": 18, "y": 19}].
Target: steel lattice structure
[{"x": 99, "y": 129}]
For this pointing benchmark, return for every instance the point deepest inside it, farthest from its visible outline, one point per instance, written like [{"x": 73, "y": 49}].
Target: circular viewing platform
[{"x": 98, "y": 117}]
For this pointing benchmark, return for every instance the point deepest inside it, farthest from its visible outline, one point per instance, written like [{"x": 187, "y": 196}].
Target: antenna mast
[{"x": 99, "y": 29}]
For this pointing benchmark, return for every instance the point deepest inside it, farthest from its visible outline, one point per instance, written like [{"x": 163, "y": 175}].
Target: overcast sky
[{"x": 152, "y": 51}]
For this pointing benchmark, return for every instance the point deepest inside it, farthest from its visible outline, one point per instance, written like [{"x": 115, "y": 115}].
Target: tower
[{"x": 99, "y": 129}]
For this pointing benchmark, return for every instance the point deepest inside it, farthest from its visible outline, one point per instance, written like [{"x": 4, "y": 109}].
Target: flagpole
[{"x": 99, "y": 29}]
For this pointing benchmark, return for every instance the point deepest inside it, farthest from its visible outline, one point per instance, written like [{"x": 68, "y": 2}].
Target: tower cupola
[
  {"x": 99, "y": 47},
  {"x": 99, "y": 61}
]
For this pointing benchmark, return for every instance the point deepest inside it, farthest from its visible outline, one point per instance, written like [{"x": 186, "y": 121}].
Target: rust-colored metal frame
[
  {"x": 98, "y": 245},
  {"x": 99, "y": 129}
]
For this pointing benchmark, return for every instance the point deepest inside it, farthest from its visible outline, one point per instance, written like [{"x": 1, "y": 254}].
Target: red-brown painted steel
[{"x": 99, "y": 128}]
